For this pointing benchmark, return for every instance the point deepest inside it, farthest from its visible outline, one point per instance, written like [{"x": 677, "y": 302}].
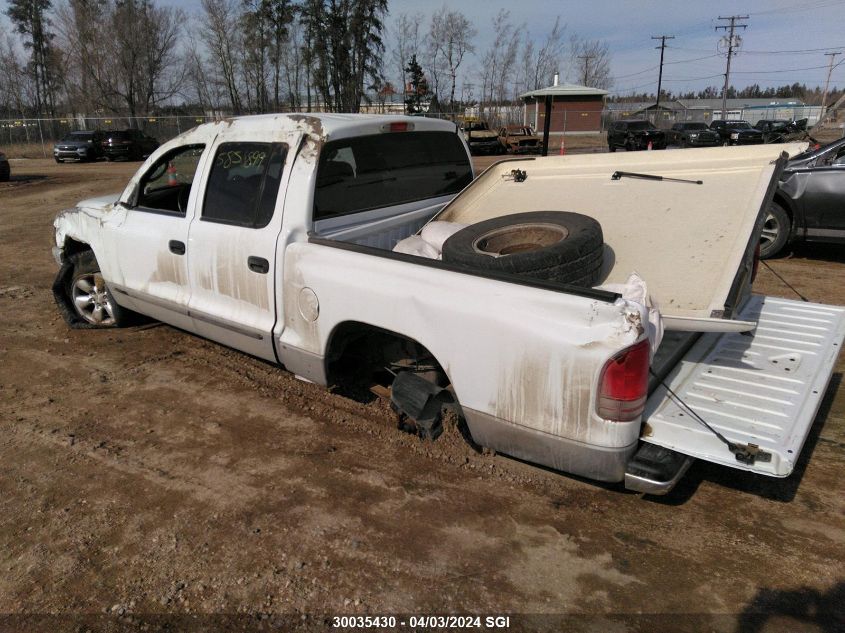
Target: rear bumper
[
  {"x": 117, "y": 152},
  {"x": 72, "y": 155},
  {"x": 595, "y": 462},
  {"x": 746, "y": 141},
  {"x": 707, "y": 143}
]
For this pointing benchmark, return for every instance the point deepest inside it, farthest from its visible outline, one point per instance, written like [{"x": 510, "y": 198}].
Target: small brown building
[{"x": 575, "y": 109}]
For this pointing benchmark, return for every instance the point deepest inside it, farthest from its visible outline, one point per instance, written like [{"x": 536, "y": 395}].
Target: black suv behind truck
[
  {"x": 129, "y": 144},
  {"x": 736, "y": 132},
  {"x": 635, "y": 135}
]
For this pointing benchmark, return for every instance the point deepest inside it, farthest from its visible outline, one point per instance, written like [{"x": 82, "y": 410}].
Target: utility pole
[
  {"x": 662, "y": 47},
  {"x": 586, "y": 59},
  {"x": 733, "y": 42},
  {"x": 827, "y": 84}
]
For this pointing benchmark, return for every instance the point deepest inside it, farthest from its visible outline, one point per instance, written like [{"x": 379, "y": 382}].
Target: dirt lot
[{"x": 146, "y": 471}]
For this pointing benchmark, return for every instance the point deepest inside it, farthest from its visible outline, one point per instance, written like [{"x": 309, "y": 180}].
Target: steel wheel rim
[
  {"x": 771, "y": 230},
  {"x": 92, "y": 300}
]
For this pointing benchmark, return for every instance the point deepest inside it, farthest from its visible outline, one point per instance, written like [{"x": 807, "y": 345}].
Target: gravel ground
[{"x": 150, "y": 479}]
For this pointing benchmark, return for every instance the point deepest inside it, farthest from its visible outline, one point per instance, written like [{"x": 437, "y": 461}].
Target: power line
[
  {"x": 662, "y": 48},
  {"x": 733, "y": 42}
]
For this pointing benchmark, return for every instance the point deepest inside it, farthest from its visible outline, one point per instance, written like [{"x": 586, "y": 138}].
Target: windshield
[
  {"x": 695, "y": 126},
  {"x": 639, "y": 125},
  {"x": 79, "y": 136},
  {"x": 740, "y": 125},
  {"x": 118, "y": 136}
]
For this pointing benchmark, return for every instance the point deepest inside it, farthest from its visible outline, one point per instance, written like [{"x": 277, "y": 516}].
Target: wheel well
[
  {"x": 784, "y": 203},
  {"x": 72, "y": 247},
  {"x": 360, "y": 356}
]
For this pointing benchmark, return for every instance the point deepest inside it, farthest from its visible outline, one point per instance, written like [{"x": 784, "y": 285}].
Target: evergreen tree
[{"x": 418, "y": 85}]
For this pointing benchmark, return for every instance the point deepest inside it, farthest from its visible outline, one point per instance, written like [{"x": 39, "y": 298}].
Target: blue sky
[
  {"x": 692, "y": 63},
  {"x": 773, "y": 25}
]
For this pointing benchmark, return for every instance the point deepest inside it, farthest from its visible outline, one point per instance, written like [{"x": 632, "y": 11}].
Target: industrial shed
[{"x": 575, "y": 109}]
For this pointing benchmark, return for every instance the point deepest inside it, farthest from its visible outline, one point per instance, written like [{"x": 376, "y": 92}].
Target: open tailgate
[{"x": 760, "y": 388}]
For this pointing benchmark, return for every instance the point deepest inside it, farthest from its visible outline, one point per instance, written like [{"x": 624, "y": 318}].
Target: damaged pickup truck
[{"x": 334, "y": 245}]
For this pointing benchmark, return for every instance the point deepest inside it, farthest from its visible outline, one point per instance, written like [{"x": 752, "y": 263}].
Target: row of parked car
[
  {"x": 638, "y": 134},
  {"x": 93, "y": 145}
]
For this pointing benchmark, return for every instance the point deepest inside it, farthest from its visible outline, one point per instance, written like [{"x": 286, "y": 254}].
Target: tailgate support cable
[
  {"x": 786, "y": 283},
  {"x": 744, "y": 453}
]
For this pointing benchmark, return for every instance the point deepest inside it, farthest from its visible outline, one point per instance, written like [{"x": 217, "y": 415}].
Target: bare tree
[
  {"x": 539, "y": 65},
  {"x": 499, "y": 61},
  {"x": 13, "y": 97},
  {"x": 406, "y": 44},
  {"x": 293, "y": 64},
  {"x": 221, "y": 34},
  {"x": 133, "y": 70},
  {"x": 450, "y": 37},
  {"x": 591, "y": 61}
]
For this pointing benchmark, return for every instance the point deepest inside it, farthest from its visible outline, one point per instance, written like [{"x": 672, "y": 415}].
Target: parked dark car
[
  {"x": 783, "y": 131},
  {"x": 809, "y": 204},
  {"x": 692, "y": 134},
  {"x": 5, "y": 170},
  {"x": 771, "y": 125},
  {"x": 635, "y": 135},
  {"x": 128, "y": 144},
  {"x": 736, "y": 132},
  {"x": 79, "y": 146}
]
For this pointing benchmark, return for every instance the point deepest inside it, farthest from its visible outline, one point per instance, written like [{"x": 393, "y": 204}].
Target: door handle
[
  {"x": 258, "y": 264},
  {"x": 176, "y": 247}
]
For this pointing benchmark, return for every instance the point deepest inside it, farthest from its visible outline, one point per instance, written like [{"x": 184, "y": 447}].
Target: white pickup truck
[{"x": 275, "y": 234}]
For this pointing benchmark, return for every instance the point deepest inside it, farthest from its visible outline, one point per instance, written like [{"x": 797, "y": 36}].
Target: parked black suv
[
  {"x": 691, "y": 134},
  {"x": 128, "y": 144},
  {"x": 635, "y": 135},
  {"x": 736, "y": 132},
  {"x": 79, "y": 146}
]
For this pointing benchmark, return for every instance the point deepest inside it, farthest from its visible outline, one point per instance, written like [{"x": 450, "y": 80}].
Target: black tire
[
  {"x": 555, "y": 245},
  {"x": 775, "y": 235},
  {"x": 59, "y": 160},
  {"x": 87, "y": 297},
  {"x": 611, "y": 147}
]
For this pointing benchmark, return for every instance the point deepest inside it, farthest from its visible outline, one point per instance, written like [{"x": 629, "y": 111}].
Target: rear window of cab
[{"x": 383, "y": 170}]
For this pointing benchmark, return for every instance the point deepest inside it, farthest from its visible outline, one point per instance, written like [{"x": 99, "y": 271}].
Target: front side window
[
  {"x": 383, "y": 170},
  {"x": 166, "y": 187},
  {"x": 243, "y": 184}
]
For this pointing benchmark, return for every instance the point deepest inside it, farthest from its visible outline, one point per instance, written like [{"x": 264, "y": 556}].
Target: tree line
[
  {"x": 140, "y": 58},
  {"x": 809, "y": 95}
]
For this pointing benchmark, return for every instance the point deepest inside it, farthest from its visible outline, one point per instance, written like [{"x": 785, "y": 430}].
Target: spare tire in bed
[{"x": 556, "y": 245}]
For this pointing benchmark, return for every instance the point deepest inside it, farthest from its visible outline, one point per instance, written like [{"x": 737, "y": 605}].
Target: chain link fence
[{"x": 35, "y": 137}]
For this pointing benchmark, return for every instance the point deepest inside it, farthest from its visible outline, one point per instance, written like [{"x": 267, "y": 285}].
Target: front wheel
[
  {"x": 89, "y": 297},
  {"x": 775, "y": 231}
]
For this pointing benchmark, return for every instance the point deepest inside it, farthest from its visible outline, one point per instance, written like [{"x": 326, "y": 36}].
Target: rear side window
[
  {"x": 243, "y": 184},
  {"x": 382, "y": 170}
]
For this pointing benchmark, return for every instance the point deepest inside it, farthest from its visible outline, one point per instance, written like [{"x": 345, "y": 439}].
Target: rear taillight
[
  {"x": 623, "y": 384},
  {"x": 756, "y": 265}
]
